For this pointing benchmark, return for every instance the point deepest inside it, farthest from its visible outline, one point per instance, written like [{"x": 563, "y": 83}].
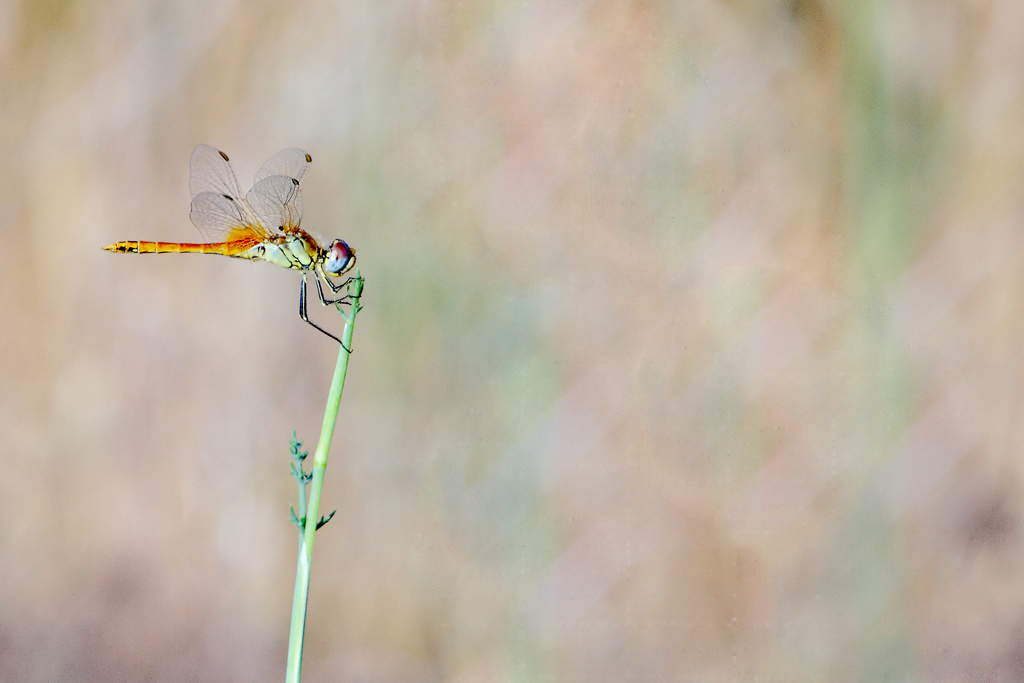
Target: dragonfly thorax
[{"x": 295, "y": 250}]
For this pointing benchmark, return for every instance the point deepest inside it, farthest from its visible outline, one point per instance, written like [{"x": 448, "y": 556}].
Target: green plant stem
[{"x": 298, "y": 627}]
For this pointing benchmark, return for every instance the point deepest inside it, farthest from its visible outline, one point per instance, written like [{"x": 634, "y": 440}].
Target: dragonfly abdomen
[{"x": 143, "y": 247}]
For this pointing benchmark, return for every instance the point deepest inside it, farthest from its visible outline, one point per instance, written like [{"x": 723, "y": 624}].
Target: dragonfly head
[{"x": 339, "y": 258}]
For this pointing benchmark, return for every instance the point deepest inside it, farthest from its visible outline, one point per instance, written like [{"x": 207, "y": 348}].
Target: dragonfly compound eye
[{"x": 340, "y": 257}]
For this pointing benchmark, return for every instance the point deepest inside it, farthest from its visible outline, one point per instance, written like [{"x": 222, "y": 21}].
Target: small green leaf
[{"x": 324, "y": 520}]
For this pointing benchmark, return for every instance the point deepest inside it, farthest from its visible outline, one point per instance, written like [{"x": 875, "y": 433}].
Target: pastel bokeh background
[{"x": 692, "y": 348}]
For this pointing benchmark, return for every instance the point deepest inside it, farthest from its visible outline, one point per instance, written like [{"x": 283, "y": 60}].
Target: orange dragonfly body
[{"x": 262, "y": 226}]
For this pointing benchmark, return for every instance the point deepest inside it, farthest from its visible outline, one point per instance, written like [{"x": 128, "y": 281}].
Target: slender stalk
[{"x": 312, "y": 511}]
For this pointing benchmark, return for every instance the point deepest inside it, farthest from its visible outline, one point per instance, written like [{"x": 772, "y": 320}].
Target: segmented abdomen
[{"x": 142, "y": 247}]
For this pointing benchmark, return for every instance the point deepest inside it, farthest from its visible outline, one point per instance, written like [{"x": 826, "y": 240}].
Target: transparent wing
[
  {"x": 292, "y": 163},
  {"x": 221, "y": 218},
  {"x": 277, "y": 202},
  {"x": 211, "y": 172}
]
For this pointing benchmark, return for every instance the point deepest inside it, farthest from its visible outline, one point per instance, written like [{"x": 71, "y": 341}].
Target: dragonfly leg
[
  {"x": 337, "y": 288},
  {"x": 324, "y": 300},
  {"x": 303, "y": 314}
]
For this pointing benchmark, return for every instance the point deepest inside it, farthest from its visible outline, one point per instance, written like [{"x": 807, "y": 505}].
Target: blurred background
[{"x": 691, "y": 346}]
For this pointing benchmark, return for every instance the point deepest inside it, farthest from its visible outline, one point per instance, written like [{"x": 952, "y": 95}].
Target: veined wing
[
  {"x": 277, "y": 202},
  {"x": 275, "y": 196},
  {"x": 224, "y": 219},
  {"x": 291, "y": 162},
  {"x": 218, "y": 209},
  {"x": 211, "y": 172}
]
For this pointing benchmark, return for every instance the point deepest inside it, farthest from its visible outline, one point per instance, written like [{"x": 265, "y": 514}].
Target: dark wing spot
[
  {"x": 228, "y": 197},
  {"x": 294, "y": 181},
  {"x": 309, "y": 159},
  {"x": 281, "y": 228},
  {"x": 223, "y": 155}
]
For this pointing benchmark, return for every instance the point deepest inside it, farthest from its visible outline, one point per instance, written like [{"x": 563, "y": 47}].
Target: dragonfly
[{"x": 261, "y": 226}]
